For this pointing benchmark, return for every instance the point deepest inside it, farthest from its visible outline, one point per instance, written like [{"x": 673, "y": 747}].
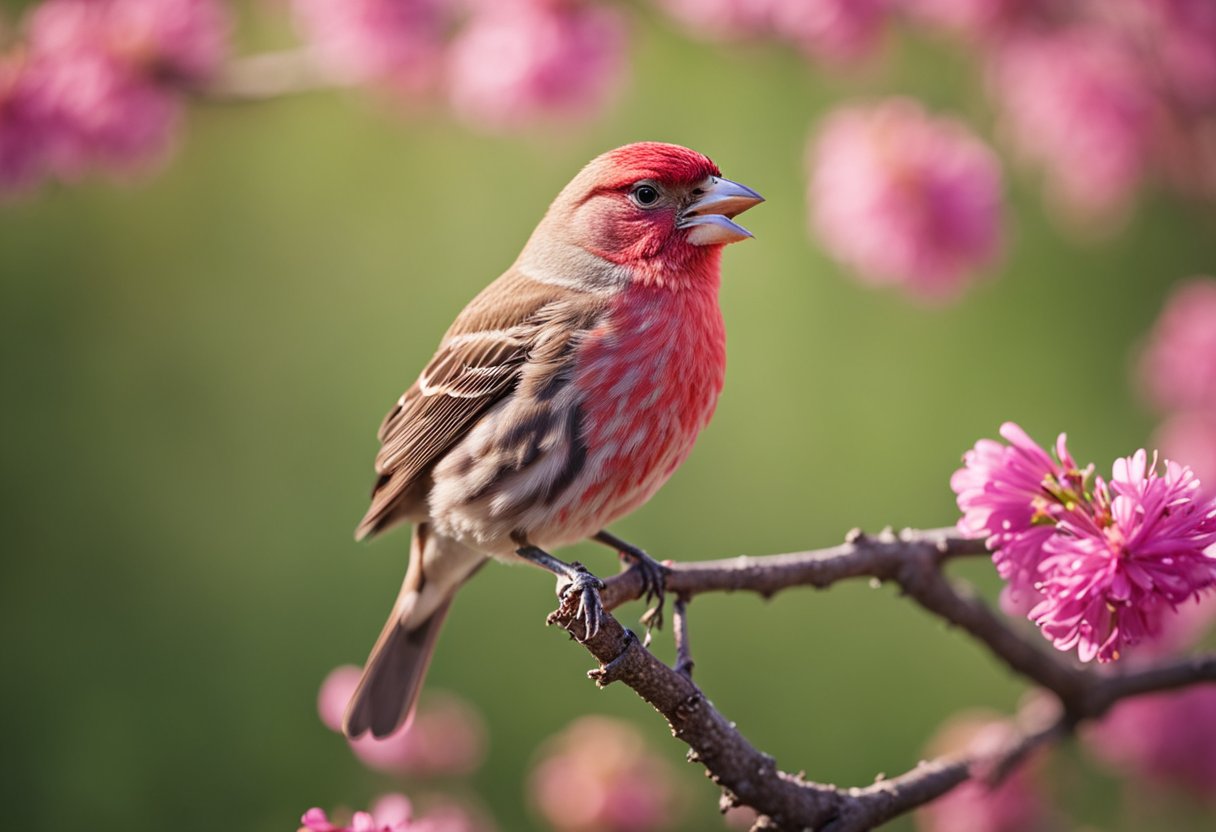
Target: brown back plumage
[{"x": 480, "y": 361}]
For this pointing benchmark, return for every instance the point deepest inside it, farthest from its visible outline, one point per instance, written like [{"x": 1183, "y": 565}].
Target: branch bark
[{"x": 914, "y": 559}]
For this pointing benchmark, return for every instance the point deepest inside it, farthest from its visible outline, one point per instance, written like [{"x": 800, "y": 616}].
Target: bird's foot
[
  {"x": 580, "y": 601},
  {"x": 654, "y": 586}
]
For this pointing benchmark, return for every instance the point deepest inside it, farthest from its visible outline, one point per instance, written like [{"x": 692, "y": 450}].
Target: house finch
[{"x": 562, "y": 398}]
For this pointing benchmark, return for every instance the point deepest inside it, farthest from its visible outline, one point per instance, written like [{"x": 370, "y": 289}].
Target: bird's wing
[{"x": 480, "y": 361}]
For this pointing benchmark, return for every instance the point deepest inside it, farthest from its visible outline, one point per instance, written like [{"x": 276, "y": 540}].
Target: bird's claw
[
  {"x": 654, "y": 587},
  {"x": 582, "y": 593}
]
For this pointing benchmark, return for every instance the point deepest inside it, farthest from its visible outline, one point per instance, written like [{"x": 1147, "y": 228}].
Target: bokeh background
[{"x": 196, "y": 360}]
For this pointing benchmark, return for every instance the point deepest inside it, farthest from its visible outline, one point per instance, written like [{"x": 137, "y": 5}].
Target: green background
[{"x": 195, "y": 364}]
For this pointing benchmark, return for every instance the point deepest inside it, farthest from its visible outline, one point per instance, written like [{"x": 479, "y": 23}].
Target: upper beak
[{"x": 709, "y": 218}]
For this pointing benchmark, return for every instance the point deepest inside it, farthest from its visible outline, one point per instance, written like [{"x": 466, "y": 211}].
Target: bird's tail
[{"x": 398, "y": 662}]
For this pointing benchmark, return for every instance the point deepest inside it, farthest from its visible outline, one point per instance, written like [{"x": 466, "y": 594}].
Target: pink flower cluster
[
  {"x": 599, "y": 776},
  {"x": 905, "y": 198},
  {"x": 1080, "y": 105},
  {"x": 829, "y": 29},
  {"x": 1099, "y": 95},
  {"x": 99, "y": 83},
  {"x": 394, "y": 813},
  {"x": 445, "y": 737},
  {"x": 394, "y": 43},
  {"x": 1177, "y": 371},
  {"x": 1099, "y": 563},
  {"x": 509, "y": 62}
]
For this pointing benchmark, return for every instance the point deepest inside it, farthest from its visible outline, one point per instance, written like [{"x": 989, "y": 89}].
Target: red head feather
[{"x": 667, "y": 163}]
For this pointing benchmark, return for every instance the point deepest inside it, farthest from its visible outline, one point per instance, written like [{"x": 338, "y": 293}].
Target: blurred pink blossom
[
  {"x": 23, "y": 126},
  {"x": 1192, "y": 436},
  {"x": 832, "y": 29},
  {"x": 172, "y": 41},
  {"x": 515, "y": 63},
  {"x": 1180, "y": 632},
  {"x": 723, "y": 19},
  {"x": 1079, "y": 104},
  {"x": 394, "y": 43},
  {"x": 1017, "y": 804},
  {"x": 1180, "y": 37},
  {"x": 599, "y": 776},
  {"x": 1178, "y": 367},
  {"x": 395, "y": 813},
  {"x": 740, "y": 817},
  {"x": 446, "y": 736},
  {"x": 979, "y": 19},
  {"x": 1165, "y": 738},
  {"x": 905, "y": 198},
  {"x": 316, "y": 820},
  {"x": 443, "y": 816},
  {"x": 102, "y": 114},
  {"x": 110, "y": 75}
]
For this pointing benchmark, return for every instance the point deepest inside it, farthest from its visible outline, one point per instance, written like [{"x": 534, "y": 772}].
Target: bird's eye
[{"x": 645, "y": 195}]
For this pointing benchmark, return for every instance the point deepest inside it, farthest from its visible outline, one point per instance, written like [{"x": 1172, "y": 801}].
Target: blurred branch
[
  {"x": 269, "y": 75},
  {"x": 914, "y": 560}
]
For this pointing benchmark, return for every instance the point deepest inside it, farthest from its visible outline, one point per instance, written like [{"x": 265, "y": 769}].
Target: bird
[{"x": 561, "y": 398}]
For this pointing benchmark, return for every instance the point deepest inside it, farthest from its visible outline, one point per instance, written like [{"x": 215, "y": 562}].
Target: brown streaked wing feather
[{"x": 479, "y": 362}]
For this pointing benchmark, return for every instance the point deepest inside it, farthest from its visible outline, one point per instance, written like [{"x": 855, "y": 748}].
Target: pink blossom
[
  {"x": 102, "y": 114},
  {"x": 335, "y": 693},
  {"x": 515, "y": 63},
  {"x": 23, "y": 126},
  {"x": 599, "y": 776},
  {"x": 1016, "y": 804},
  {"x": 832, "y": 29},
  {"x": 182, "y": 41},
  {"x": 1165, "y": 738},
  {"x": 394, "y": 43},
  {"x": 1180, "y": 37},
  {"x": 1178, "y": 368},
  {"x": 742, "y": 818},
  {"x": 395, "y": 813},
  {"x": 1107, "y": 562},
  {"x": 1012, "y": 495},
  {"x": 1079, "y": 103},
  {"x": 316, "y": 820},
  {"x": 446, "y": 736},
  {"x": 723, "y": 19},
  {"x": 1111, "y": 572},
  {"x": 440, "y": 817},
  {"x": 1180, "y": 632},
  {"x": 905, "y": 198},
  {"x": 1191, "y": 436},
  {"x": 982, "y": 20},
  {"x": 110, "y": 75}
]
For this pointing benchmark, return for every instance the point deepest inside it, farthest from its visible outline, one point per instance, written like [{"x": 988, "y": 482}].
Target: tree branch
[
  {"x": 913, "y": 559},
  {"x": 860, "y": 556},
  {"x": 269, "y": 75}
]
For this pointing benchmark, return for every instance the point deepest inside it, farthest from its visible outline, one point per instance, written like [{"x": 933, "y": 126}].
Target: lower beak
[{"x": 709, "y": 219}]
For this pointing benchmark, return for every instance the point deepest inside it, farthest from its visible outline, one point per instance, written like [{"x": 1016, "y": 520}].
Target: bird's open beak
[{"x": 709, "y": 219}]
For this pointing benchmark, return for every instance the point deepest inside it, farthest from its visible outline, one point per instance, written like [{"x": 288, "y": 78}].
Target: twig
[
  {"x": 679, "y": 615},
  {"x": 269, "y": 75}
]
